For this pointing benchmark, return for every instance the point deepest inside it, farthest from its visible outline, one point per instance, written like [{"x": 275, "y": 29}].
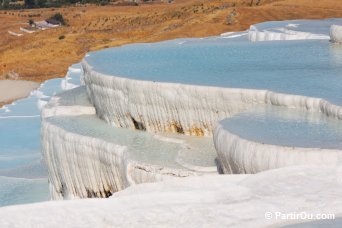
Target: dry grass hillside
[{"x": 43, "y": 55}]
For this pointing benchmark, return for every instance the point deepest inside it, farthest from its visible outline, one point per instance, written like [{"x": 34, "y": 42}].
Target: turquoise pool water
[
  {"x": 310, "y": 68},
  {"x": 142, "y": 146},
  {"x": 308, "y": 26},
  {"x": 286, "y": 127},
  {"x": 23, "y": 176}
]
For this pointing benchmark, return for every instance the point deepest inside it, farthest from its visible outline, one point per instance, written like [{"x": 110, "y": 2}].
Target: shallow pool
[
  {"x": 23, "y": 176},
  {"x": 286, "y": 127},
  {"x": 142, "y": 146},
  {"x": 310, "y": 68}
]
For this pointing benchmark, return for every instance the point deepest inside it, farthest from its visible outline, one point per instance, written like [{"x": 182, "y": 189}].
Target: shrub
[
  {"x": 59, "y": 17},
  {"x": 31, "y": 22}
]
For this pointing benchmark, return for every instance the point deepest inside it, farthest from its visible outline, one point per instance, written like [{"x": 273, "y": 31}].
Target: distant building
[{"x": 45, "y": 25}]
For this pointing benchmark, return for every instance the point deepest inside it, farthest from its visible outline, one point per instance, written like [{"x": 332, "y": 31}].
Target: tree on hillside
[
  {"x": 29, "y": 3},
  {"x": 4, "y": 4},
  {"x": 58, "y": 17},
  {"x": 31, "y": 22},
  {"x": 40, "y": 3}
]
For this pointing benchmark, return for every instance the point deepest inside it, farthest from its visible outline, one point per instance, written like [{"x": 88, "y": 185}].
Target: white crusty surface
[
  {"x": 174, "y": 107},
  {"x": 81, "y": 166},
  {"x": 209, "y": 201},
  {"x": 336, "y": 33},
  {"x": 292, "y": 30},
  {"x": 239, "y": 155}
]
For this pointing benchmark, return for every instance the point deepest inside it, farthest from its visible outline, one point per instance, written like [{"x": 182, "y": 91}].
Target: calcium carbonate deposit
[
  {"x": 263, "y": 125},
  {"x": 336, "y": 33},
  {"x": 268, "y": 137},
  {"x": 292, "y": 30},
  {"x": 75, "y": 143},
  {"x": 186, "y": 86},
  {"x": 258, "y": 200}
]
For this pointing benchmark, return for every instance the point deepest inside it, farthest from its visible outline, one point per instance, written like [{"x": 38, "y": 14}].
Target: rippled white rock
[
  {"x": 292, "y": 30},
  {"x": 72, "y": 156},
  {"x": 71, "y": 79},
  {"x": 209, "y": 201},
  {"x": 163, "y": 107},
  {"x": 188, "y": 109},
  {"x": 238, "y": 155},
  {"x": 336, "y": 33},
  {"x": 70, "y": 103},
  {"x": 87, "y": 158}
]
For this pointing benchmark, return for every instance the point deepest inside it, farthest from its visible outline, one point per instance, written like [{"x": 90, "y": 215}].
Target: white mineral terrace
[
  {"x": 273, "y": 137},
  {"x": 195, "y": 110},
  {"x": 188, "y": 109},
  {"x": 292, "y": 30},
  {"x": 336, "y": 33},
  {"x": 88, "y": 158},
  {"x": 166, "y": 91}
]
